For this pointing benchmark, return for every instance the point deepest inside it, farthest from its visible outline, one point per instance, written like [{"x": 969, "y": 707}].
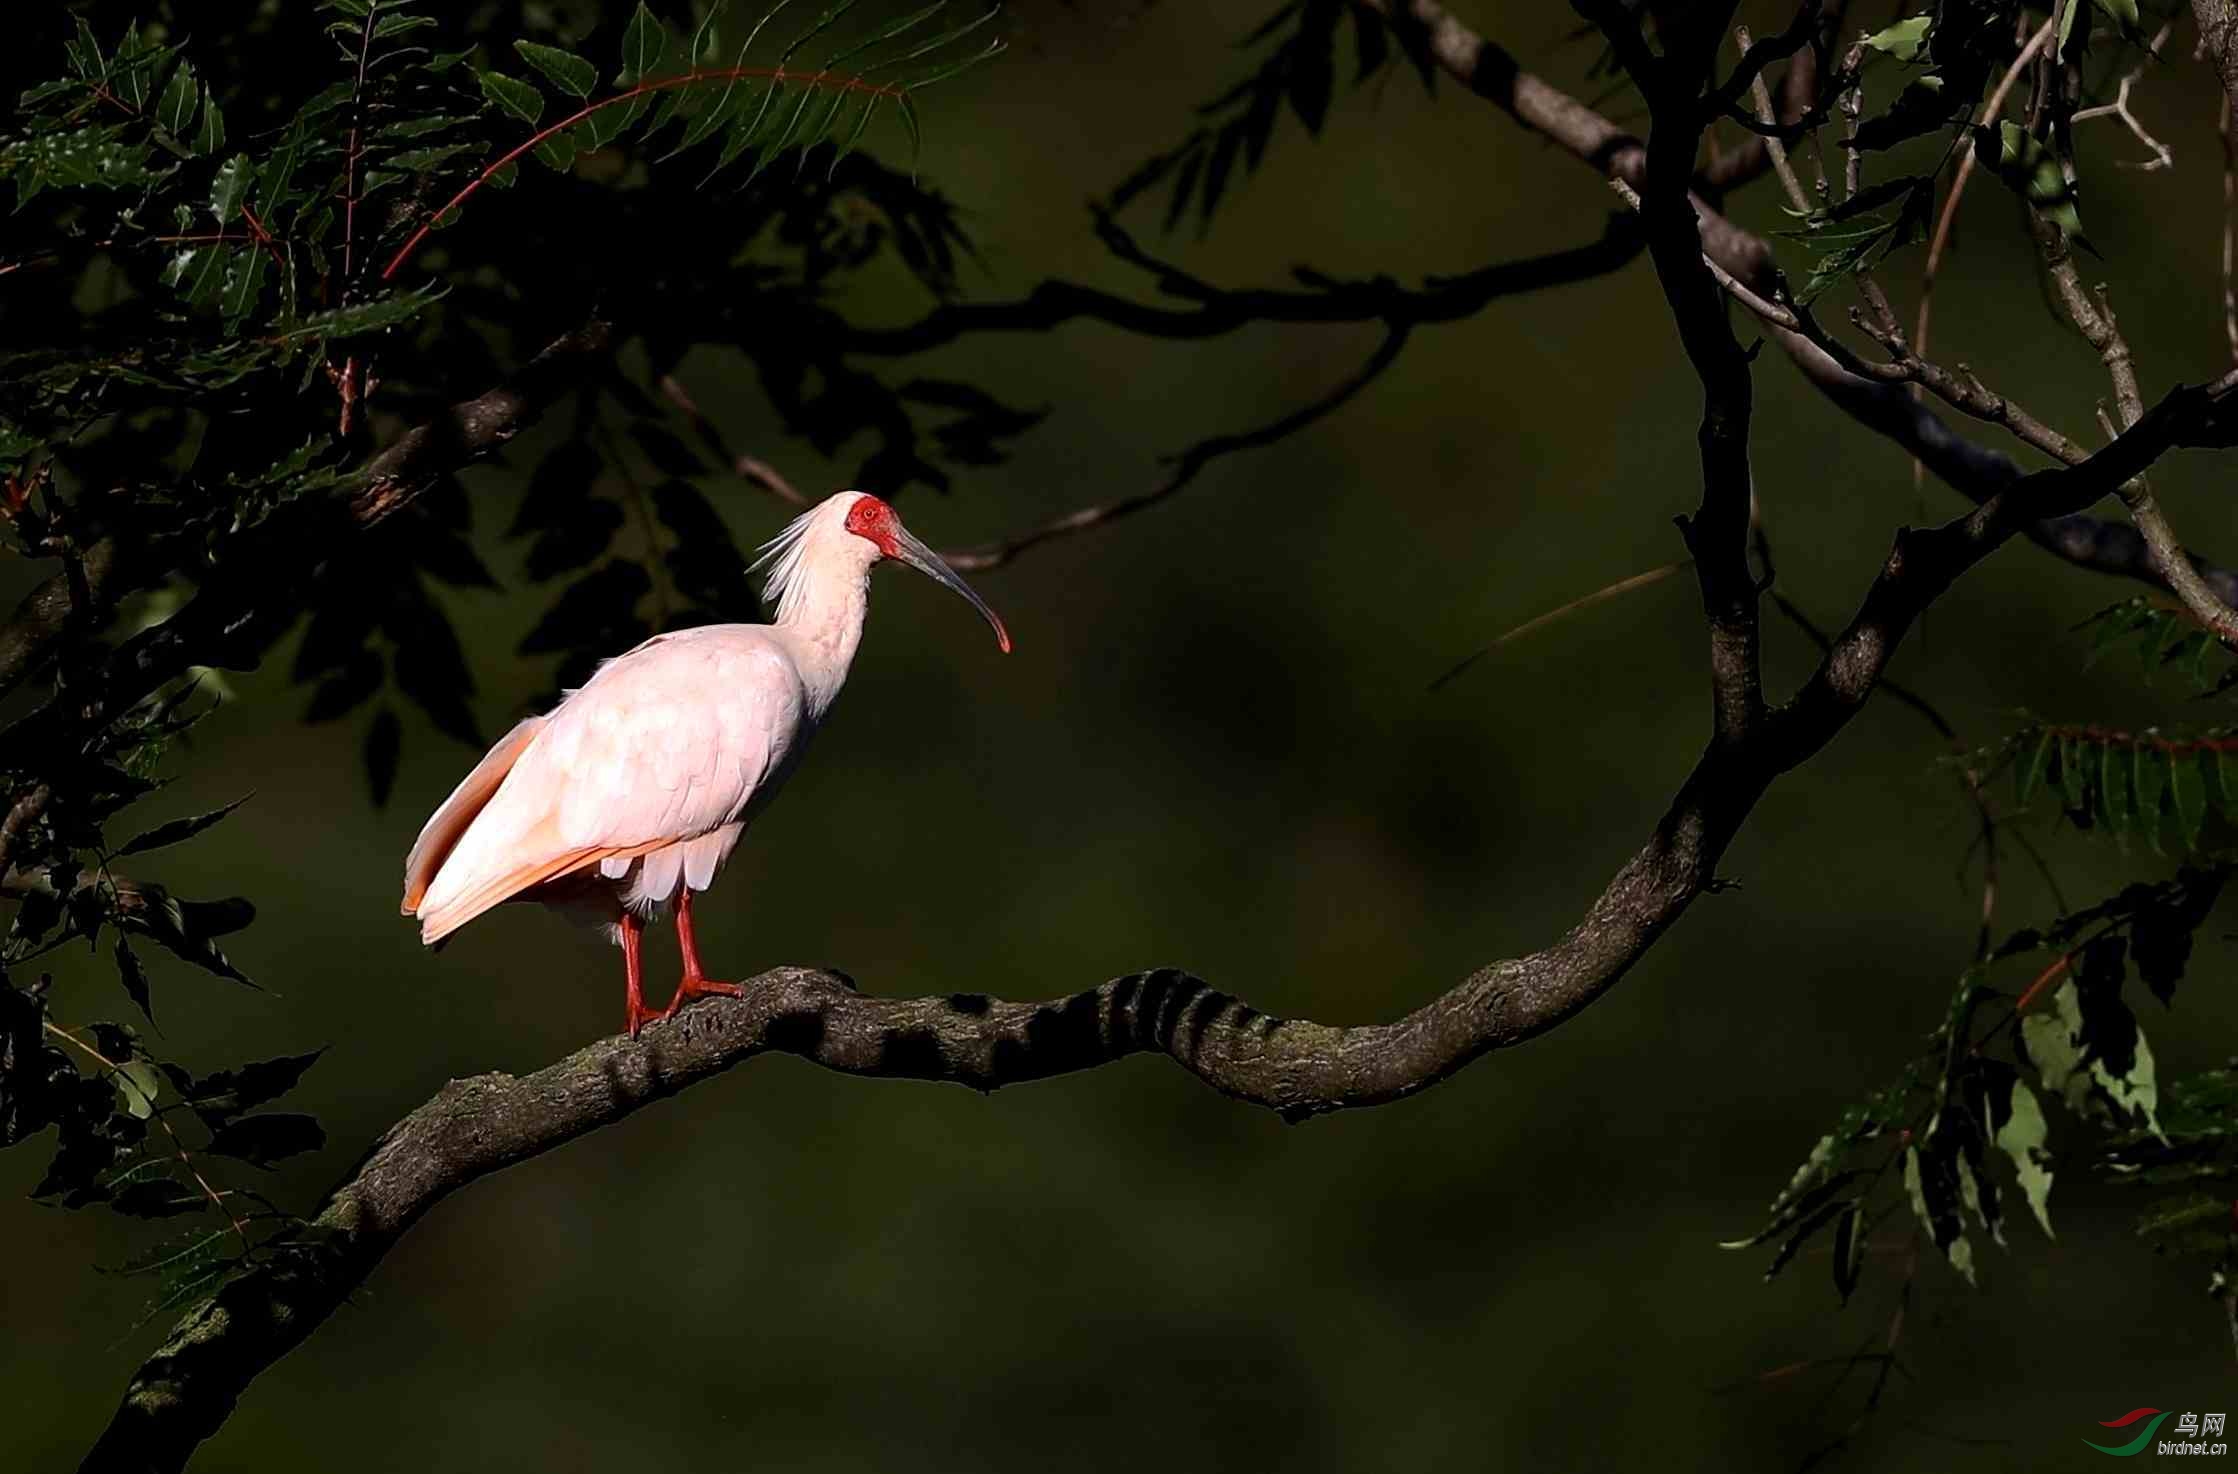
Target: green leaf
[
  {"x": 33, "y": 96},
  {"x": 610, "y": 121},
  {"x": 2032, "y": 170},
  {"x": 137, "y": 1082},
  {"x": 2028, "y": 768},
  {"x": 158, "y": 1197},
  {"x": 558, "y": 152},
  {"x": 2149, "y": 777},
  {"x": 423, "y": 160},
  {"x": 398, "y": 25},
  {"x": 1814, "y": 1170},
  {"x": 565, "y": 70},
  {"x": 2021, "y": 1136},
  {"x": 1852, "y": 256},
  {"x": 1904, "y": 40},
  {"x": 710, "y": 117},
  {"x": 210, "y": 137},
  {"x": 207, "y": 274},
  {"x": 189, "y": 929},
  {"x": 174, "y": 112},
  {"x": 85, "y": 54},
  {"x": 138, "y": 64},
  {"x": 2123, "y": 13},
  {"x": 705, "y": 43},
  {"x": 823, "y": 23},
  {"x": 177, "y": 830},
  {"x": 361, "y": 318},
  {"x": 2187, "y": 794},
  {"x": 2067, "y": 16},
  {"x": 2072, "y": 1070},
  {"x": 1931, "y": 1185},
  {"x": 219, "y": 1097},
  {"x": 862, "y": 123},
  {"x": 88, "y": 158},
  {"x": 1977, "y": 1190},
  {"x": 2071, "y": 791},
  {"x": 244, "y": 283},
  {"x": 133, "y": 973},
  {"x": 1840, "y": 1208},
  {"x": 267, "y": 1139},
  {"x": 2114, "y": 626},
  {"x": 644, "y": 43},
  {"x": 1849, "y": 1253},
  {"x": 512, "y": 94},
  {"x": 2117, "y": 803},
  {"x": 230, "y": 188}
]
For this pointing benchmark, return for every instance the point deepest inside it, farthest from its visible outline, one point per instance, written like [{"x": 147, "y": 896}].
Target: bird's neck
[{"x": 824, "y": 627}]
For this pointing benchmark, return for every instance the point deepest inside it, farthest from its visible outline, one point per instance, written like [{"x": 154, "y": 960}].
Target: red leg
[
  {"x": 696, "y": 983},
  {"x": 633, "y": 941}
]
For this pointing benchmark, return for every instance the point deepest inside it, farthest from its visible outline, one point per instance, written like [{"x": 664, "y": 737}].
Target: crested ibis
[{"x": 630, "y": 794}]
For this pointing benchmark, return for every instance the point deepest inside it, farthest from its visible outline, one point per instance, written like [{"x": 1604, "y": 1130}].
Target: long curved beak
[{"x": 927, "y": 562}]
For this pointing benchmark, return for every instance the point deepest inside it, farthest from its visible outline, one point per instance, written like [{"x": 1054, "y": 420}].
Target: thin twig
[
  {"x": 1186, "y": 467},
  {"x": 1739, "y": 290},
  {"x": 2163, "y": 157},
  {"x": 1601, "y": 595},
  {"x": 759, "y": 472},
  {"x": 1949, "y": 216},
  {"x": 1773, "y": 148}
]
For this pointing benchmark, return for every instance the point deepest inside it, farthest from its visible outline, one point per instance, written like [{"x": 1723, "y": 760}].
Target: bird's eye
[{"x": 872, "y": 519}]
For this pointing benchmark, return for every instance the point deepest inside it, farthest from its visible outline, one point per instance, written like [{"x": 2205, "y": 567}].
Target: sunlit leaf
[
  {"x": 568, "y": 72},
  {"x": 511, "y": 94}
]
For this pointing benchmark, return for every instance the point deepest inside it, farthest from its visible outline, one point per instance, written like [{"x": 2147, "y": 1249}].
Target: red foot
[
  {"x": 692, "y": 987},
  {"x": 695, "y": 983}
]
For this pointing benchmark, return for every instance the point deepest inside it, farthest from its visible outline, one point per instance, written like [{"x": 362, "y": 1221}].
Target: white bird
[{"x": 634, "y": 790}]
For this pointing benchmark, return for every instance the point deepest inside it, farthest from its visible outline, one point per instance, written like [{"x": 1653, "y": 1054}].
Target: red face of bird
[{"x": 876, "y": 523}]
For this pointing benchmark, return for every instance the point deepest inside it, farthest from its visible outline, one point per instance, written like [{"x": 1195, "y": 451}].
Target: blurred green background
[{"x": 1214, "y": 749}]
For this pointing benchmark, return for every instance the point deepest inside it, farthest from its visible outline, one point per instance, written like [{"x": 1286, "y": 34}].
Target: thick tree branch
[
  {"x": 1718, "y": 533},
  {"x": 2218, "y": 38}
]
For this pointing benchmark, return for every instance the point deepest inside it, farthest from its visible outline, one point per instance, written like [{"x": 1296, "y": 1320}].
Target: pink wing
[
  {"x": 664, "y": 744},
  {"x": 441, "y": 833}
]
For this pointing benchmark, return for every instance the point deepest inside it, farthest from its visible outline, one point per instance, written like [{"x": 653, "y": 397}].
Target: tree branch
[
  {"x": 2093, "y": 317},
  {"x": 1974, "y": 470},
  {"x": 1215, "y": 311},
  {"x": 2218, "y": 38},
  {"x": 1186, "y": 466}
]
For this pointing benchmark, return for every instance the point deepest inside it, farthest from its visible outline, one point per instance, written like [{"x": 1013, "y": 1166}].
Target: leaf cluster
[{"x": 1927, "y": 1146}]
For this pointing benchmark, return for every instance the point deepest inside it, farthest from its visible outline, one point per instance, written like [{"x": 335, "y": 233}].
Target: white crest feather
[{"x": 782, "y": 556}]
